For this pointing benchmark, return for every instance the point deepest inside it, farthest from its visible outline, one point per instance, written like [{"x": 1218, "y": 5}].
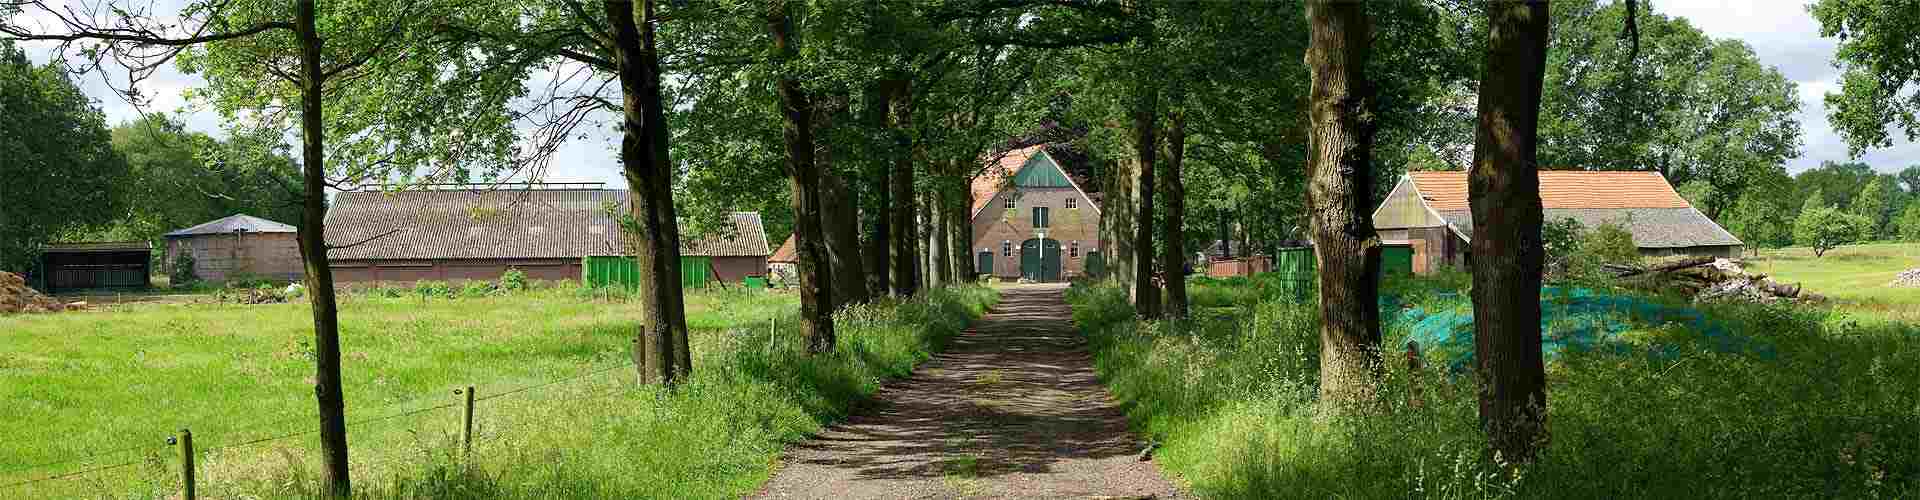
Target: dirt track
[{"x": 1011, "y": 410}]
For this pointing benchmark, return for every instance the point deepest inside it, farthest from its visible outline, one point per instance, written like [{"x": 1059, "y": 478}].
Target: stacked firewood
[
  {"x": 1910, "y": 277},
  {"x": 1708, "y": 278}
]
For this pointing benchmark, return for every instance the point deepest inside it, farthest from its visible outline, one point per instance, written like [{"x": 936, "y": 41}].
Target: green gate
[
  {"x": 1040, "y": 262},
  {"x": 1396, "y": 260},
  {"x": 984, "y": 263},
  {"x": 1296, "y": 270},
  {"x": 624, "y": 272},
  {"x": 1096, "y": 265}
]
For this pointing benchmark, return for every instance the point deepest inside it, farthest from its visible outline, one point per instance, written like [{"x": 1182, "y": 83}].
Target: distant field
[{"x": 1855, "y": 276}]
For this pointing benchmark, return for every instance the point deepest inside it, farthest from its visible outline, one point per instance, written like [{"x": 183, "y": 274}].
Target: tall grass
[
  {"x": 1835, "y": 412},
  {"x": 574, "y": 426}
]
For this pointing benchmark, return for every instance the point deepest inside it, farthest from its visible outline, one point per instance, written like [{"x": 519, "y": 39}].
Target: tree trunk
[
  {"x": 660, "y": 351},
  {"x": 1116, "y": 224},
  {"x": 842, "y": 225},
  {"x": 939, "y": 268},
  {"x": 905, "y": 238},
  {"x": 1146, "y": 113},
  {"x": 816, "y": 272},
  {"x": 1508, "y": 255},
  {"x": 960, "y": 227},
  {"x": 1340, "y": 179},
  {"x": 1173, "y": 260},
  {"x": 877, "y": 197},
  {"x": 327, "y": 390}
]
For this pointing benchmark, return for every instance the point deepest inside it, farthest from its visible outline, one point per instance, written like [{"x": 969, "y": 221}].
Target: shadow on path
[{"x": 1012, "y": 409}]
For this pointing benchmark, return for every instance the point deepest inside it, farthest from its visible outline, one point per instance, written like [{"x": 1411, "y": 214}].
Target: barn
[
  {"x": 238, "y": 246},
  {"x": 96, "y": 265},
  {"x": 1428, "y": 211},
  {"x": 544, "y": 230},
  {"x": 1032, "y": 220}
]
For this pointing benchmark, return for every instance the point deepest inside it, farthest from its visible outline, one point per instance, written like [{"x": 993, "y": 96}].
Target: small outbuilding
[
  {"x": 96, "y": 265},
  {"x": 1429, "y": 212},
  {"x": 238, "y": 246}
]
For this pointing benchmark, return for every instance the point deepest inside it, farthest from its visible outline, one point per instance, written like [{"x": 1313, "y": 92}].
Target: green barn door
[
  {"x": 984, "y": 264},
  {"x": 1038, "y": 262}
]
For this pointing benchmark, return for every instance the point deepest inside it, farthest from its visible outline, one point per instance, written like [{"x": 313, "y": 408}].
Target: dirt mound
[
  {"x": 17, "y": 297},
  {"x": 1907, "y": 278}
]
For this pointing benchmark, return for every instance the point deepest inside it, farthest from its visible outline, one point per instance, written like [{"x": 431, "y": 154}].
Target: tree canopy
[{"x": 56, "y": 145}]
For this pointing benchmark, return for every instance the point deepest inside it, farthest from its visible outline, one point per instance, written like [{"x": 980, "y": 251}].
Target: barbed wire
[
  {"x": 57, "y": 477},
  {"x": 89, "y": 456}
]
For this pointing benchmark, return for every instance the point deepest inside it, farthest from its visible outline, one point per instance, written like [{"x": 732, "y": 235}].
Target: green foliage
[
  {"x": 181, "y": 178},
  {"x": 182, "y": 273},
  {"x": 514, "y": 280},
  {"x": 1757, "y": 217},
  {"x": 1231, "y": 397},
  {"x": 1872, "y": 207},
  {"x": 1824, "y": 228},
  {"x": 1575, "y": 252},
  {"x": 55, "y": 147},
  {"x": 1879, "y": 60},
  {"x": 474, "y": 289},
  {"x": 1910, "y": 223},
  {"x": 1702, "y": 110},
  {"x": 431, "y": 288},
  {"x": 1610, "y": 243}
]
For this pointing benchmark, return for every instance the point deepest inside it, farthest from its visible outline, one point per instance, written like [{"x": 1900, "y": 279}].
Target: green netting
[{"x": 1573, "y": 320}]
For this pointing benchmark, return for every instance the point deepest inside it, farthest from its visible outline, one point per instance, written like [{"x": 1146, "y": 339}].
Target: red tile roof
[
  {"x": 988, "y": 182},
  {"x": 1562, "y": 189},
  {"x": 786, "y": 254}
]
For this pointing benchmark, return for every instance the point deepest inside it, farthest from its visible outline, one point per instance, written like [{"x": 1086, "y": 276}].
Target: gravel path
[{"x": 1012, "y": 409}]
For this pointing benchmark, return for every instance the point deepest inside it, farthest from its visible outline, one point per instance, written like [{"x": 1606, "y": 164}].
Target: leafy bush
[
  {"x": 1825, "y": 228},
  {"x": 1910, "y": 222},
  {"x": 431, "y": 288},
  {"x": 182, "y": 273},
  {"x": 514, "y": 280},
  {"x": 474, "y": 289},
  {"x": 1231, "y": 397},
  {"x": 1574, "y": 252}
]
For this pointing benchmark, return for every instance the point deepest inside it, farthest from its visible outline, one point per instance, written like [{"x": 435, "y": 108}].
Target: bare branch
[{"x": 364, "y": 241}]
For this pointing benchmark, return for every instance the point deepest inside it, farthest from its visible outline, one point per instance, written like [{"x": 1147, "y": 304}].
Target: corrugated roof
[
  {"x": 236, "y": 222},
  {"x": 502, "y": 224},
  {"x": 1562, "y": 189},
  {"x": 1651, "y": 227},
  {"x": 99, "y": 246}
]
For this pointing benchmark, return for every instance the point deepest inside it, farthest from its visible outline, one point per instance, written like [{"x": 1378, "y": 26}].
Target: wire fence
[{"x": 99, "y": 463}]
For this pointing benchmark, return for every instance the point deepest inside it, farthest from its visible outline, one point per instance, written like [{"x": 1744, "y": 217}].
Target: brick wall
[
  {"x": 996, "y": 224},
  {"x": 217, "y": 257}
]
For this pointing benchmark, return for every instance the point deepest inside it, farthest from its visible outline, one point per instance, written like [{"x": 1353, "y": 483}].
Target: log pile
[
  {"x": 17, "y": 297},
  {"x": 1907, "y": 278},
  {"x": 1708, "y": 279}
]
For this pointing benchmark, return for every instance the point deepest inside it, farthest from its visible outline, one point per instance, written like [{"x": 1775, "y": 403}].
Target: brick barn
[
  {"x": 466, "y": 234},
  {"x": 1032, "y": 220},
  {"x": 238, "y": 245},
  {"x": 1429, "y": 211}
]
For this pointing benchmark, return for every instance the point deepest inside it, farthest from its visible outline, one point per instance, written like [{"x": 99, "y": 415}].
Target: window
[
  {"x": 1006, "y": 248},
  {"x": 1073, "y": 203},
  {"x": 1073, "y": 249},
  {"x": 1040, "y": 217},
  {"x": 1011, "y": 203}
]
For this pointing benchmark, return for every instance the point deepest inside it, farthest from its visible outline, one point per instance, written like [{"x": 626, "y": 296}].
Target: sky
[{"x": 1781, "y": 32}]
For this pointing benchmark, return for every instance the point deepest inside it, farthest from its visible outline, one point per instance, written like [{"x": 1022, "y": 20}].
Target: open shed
[{"x": 96, "y": 265}]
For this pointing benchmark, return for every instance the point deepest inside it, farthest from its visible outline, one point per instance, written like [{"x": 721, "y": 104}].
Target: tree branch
[{"x": 362, "y": 242}]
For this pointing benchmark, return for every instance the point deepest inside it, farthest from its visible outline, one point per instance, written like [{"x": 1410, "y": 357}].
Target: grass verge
[
  {"x": 1231, "y": 395},
  {"x": 559, "y": 415}
]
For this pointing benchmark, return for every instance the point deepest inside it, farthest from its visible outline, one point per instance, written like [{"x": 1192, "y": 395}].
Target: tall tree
[
  {"x": 1145, "y": 122},
  {"x": 1508, "y": 254},
  {"x": 663, "y": 352},
  {"x": 816, "y": 271},
  {"x": 1873, "y": 207},
  {"x": 1879, "y": 58},
  {"x": 1173, "y": 257},
  {"x": 56, "y": 145},
  {"x": 1340, "y": 180}
]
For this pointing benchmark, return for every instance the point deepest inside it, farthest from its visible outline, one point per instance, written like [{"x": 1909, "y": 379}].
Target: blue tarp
[{"x": 1579, "y": 320}]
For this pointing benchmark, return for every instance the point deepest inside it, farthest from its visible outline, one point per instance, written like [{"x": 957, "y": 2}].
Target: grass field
[
  {"x": 559, "y": 416},
  {"x": 1855, "y": 276},
  {"x": 1828, "y": 409}
]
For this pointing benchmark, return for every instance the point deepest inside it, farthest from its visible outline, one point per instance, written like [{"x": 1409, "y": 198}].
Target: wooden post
[
  {"x": 186, "y": 464},
  {"x": 1415, "y": 365},
  {"x": 772, "y": 324},
  {"x": 466, "y": 436}
]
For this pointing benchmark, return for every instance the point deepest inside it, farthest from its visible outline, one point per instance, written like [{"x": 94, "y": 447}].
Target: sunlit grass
[
  {"x": 74, "y": 384},
  {"x": 1855, "y": 276}
]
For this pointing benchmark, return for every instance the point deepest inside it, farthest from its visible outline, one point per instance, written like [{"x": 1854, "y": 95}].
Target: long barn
[
  {"x": 462, "y": 234},
  {"x": 1429, "y": 212}
]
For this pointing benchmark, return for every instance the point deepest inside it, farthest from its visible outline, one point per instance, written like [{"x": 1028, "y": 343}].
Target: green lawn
[
  {"x": 1855, "y": 276},
  {"x": 80, "y": 384}
]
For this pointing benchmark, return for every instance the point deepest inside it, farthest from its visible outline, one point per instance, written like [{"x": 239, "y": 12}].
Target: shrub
[
  {"x": 1825, "y": 228},
  {"x": 430, "y": 288},
  {"x": 474, "y": 289},
  {"x": 514, "y": 280},
  {"x": 183, "y": 273}
]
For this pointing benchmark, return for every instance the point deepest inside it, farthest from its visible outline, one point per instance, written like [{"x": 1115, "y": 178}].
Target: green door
[
  {"x": 1040, "y": 262},
  {"x": 1096, "y": 265},
  {"x": 984, "y": 263}
]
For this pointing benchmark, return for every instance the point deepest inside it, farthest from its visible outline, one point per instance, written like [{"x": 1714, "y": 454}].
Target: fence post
[
  {"x": 772, "y": 324},
  {"x": 186, "y": 463},
  {"x": 466, "y": 436}
]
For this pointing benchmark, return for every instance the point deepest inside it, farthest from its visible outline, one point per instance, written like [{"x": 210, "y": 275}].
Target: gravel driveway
[{"x": 1012, "y": 409}]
